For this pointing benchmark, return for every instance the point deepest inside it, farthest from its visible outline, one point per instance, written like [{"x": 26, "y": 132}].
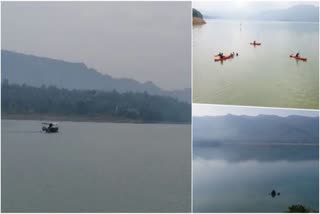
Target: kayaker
[
  {"x": 274, "y": 193},
  {"x": 220, "y": 55},
  {"x": 297, "y": 54},
  {"x": 50, "y": 126},
  {"x": 254, "y": 42}
]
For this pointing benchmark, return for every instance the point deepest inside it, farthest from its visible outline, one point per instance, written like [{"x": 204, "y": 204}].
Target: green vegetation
[
  {"x": 139, "y": 107},
  {"x": 197, "y": 17},
  {"x": 298, "y": 208},
  {"x": 196, "y": 13}
]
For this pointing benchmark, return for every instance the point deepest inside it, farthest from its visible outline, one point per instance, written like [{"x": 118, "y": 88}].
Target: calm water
[
  {"x": 96, "y": 167},
  {"x": 262, "y": 75},
  {"x": 239, "y": 178}
]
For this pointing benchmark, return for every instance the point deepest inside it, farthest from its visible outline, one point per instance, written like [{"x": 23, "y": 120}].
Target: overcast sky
[
  {"x": 146, "y": 41},
  {"x": 215, "y": 110},
  {"x": 244, "y": 7}
]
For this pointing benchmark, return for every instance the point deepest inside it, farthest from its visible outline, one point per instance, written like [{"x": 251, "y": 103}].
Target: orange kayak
[
  {"x": 298, "y": 57},
  {"x": 223, "y": 58}
]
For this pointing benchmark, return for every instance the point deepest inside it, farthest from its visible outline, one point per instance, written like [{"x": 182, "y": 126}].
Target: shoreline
[
  {"x": 261, "y": 144},
  {"x": 198, "y": 21},
  {"x": 94, "y": 119}
]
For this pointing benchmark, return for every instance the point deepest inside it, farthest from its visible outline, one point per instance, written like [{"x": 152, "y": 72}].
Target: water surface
[
  {"x": 96, "y": 167},
  {"x": 239, "y": 178},
  {"x": 262, "y": 75}
]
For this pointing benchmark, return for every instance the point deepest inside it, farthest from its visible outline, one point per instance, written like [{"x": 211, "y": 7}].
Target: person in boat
[
  {"x": 232, "y": 54},
  {"x": 274, "y": 193},
  {"x": 254, "y": 42},
  {"x": 220, "y": 55},
  {"x": 297, "y": 54},
  {"x": 50, "y": 126}
]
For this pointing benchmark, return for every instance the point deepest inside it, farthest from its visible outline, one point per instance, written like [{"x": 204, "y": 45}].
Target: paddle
[{"x": 293, "y": 53}]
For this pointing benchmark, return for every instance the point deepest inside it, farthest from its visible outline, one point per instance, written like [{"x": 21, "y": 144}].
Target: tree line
[{"x": 24, "y": 99}]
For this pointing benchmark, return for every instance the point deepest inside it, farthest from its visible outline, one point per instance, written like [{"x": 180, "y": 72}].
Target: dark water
[
  {"x": 239, "y": 178},
  {"x": 96, "y": 167},
  {"x": 262, "y": 75}
]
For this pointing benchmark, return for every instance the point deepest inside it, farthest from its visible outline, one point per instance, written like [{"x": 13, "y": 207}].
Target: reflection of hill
[
  {"x": 261, "y": 138},
  {"x": 261, "y": 153}
]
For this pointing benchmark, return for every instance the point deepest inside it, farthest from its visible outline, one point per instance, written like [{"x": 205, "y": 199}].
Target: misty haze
[
  {"x": 145, "y": 41},
  {"x": 96, "y": 107},
  {"x": 240, "y": 159},
  {"x": 269, "y": 53}
]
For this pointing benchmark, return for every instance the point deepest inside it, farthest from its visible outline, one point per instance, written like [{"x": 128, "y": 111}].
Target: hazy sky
[
  {"x": 147, "y": 41},
  {"x": 244, "y": 7},
  {"x": 214, "y": 110}
]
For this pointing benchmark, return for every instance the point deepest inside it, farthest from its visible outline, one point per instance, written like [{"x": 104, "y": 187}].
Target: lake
[
  {"x": 260, "y": 76},
  {"x": 96, "y": 167},
  {"x": 239, "y": 178}
]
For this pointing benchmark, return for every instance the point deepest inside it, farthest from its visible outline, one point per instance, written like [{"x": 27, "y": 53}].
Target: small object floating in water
[
  {"x": 298, "y": 57},
  {"x": 274, "y": 193},
  {"x": 50, "y": 127},
  {"x": 223, "y": 58},
  {"x": 256, "y": 43}
]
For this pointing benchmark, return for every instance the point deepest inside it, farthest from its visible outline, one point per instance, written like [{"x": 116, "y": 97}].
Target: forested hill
[
  {"x": 37, "y": 71},
  {"x": 196, "y": 13},
  {"x": 110, "y": 106},
  {"x": 197, "y": 17}
]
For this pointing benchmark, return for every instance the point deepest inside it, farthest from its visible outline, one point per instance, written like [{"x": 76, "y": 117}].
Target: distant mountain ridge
[
  {"x": 37, "y": 71},
  {"x": 306, "y": 13},
  {"x": 257, "y": 129},
  {"x": 298, "y": 13}
]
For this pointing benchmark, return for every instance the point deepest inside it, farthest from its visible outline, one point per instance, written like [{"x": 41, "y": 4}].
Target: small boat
[
  {"x": 223, "y": 58},
  {"x": 50, "y": 127},
  {"x": 255, "y": 43},
  {"x": 298, "y": 57},
  {"x": 273, "y": 193}
]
